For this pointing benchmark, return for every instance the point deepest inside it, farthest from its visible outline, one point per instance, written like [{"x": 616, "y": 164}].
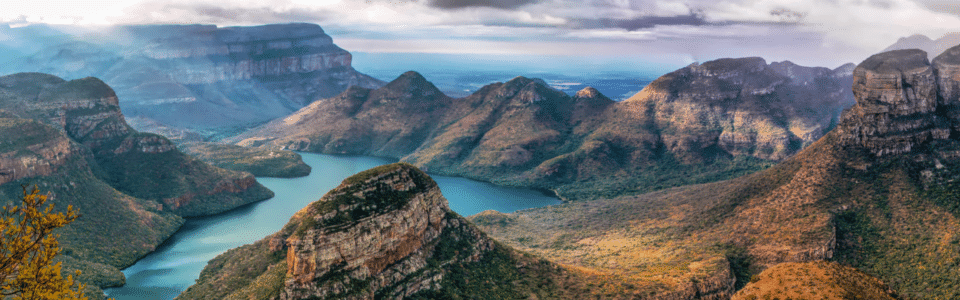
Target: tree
[{"x": 28, "y": 247}]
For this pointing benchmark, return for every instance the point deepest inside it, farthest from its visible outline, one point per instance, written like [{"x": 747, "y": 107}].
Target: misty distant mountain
[
  {"x": 922, "y": 42},
  {"x": 196, "y": 78}
]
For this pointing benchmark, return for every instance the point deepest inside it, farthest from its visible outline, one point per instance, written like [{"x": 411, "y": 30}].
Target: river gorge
[{"x": 176, "y": 264}]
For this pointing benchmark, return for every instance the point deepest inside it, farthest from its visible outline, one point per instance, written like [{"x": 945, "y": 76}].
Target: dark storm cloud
[
  {"x": 501, "y": 4},
  {"x": 641, "y": 22}
]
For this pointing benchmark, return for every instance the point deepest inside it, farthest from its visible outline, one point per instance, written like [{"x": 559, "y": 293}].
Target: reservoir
[{"x": 176, "y": 264}]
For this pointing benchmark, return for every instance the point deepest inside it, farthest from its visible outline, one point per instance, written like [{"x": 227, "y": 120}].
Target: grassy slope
[
  {"x": 884, "y": 224},
  {"x": 814, "y": 280},
  {"x": 259, "y": 162}
]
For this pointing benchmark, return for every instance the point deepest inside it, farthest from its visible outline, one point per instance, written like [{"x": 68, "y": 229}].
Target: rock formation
[
  {"x": 896, "y": 103},
  {"x": 131, "y": 189},
  {"x": 716, "y": 120},
  {"x": 384, "y": 233}
]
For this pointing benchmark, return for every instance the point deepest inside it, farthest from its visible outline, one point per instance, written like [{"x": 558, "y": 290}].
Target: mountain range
[
  {"x": 922, "y": 42},
  {"x": 201, "y": 80},
  {"x": 705, "y": 122},
  {"x": 876, "y": 193},
  {"x": 131, "y": 189}
]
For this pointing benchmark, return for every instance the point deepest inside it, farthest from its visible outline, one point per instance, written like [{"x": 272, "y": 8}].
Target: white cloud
[{"x": 836, "y": 31}]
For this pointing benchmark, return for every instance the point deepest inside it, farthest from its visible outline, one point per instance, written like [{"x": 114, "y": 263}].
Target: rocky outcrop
[
  {"x": 376, "y": 230},
  {"x": 903, "y": 102},
  {"x": 896, "y": 99},
  {"x": 38, "y": 150},
  {"x": 384, "y": 233},
  {"x": 709, "y": 119}
]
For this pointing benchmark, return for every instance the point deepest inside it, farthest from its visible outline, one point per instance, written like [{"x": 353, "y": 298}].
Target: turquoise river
[{"x": 176, "y": 264}]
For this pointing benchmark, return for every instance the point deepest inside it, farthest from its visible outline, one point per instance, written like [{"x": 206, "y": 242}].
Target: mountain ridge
[{"x": 523, "y": 132}]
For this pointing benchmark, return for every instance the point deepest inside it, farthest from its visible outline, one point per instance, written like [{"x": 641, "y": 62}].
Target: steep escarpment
[
  {"x": 702, "y": 123},
  {"x": 207, "y": 80},
  {"x": 384, "y": 233},
  {"x": 877, "y": 193},
  {"x": 131, "y": 189}
]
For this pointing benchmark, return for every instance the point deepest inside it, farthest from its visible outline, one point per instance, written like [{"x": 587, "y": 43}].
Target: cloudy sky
[{"x": 812, "y": 32}]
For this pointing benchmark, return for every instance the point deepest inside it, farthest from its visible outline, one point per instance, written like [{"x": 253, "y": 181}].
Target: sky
[{"x": 814, "y": 33}]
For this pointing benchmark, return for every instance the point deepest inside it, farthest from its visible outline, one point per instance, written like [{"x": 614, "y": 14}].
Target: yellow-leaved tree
[{"x": 28, "y": 247}]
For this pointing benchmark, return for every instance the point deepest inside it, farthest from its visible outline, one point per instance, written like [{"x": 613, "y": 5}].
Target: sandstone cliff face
[
  {"x": 386, "y": 233},
  {"x": 31, "y": 153},
  {"x": 896, "y": 100},
  {"x": 717, "y": 120},
  {"x": 241, "y": 75}
]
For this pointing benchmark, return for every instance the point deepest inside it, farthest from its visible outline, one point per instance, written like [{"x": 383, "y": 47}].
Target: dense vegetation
[
  {"x": 28, "y": 247},
  {"x": 259, "y": 162}
]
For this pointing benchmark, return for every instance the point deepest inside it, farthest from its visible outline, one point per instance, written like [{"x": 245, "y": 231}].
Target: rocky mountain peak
[
  {"x": 845, "y": 70},
  {"x": 587, "y": 92},
  {"x": 373, "y": 192},
  {"x": 412, "y": 83},
  {"x": 896, "y": 97}
]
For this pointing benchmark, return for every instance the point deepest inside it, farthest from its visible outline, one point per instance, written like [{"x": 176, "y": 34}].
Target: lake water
[{"x": 177, "y": 263}]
